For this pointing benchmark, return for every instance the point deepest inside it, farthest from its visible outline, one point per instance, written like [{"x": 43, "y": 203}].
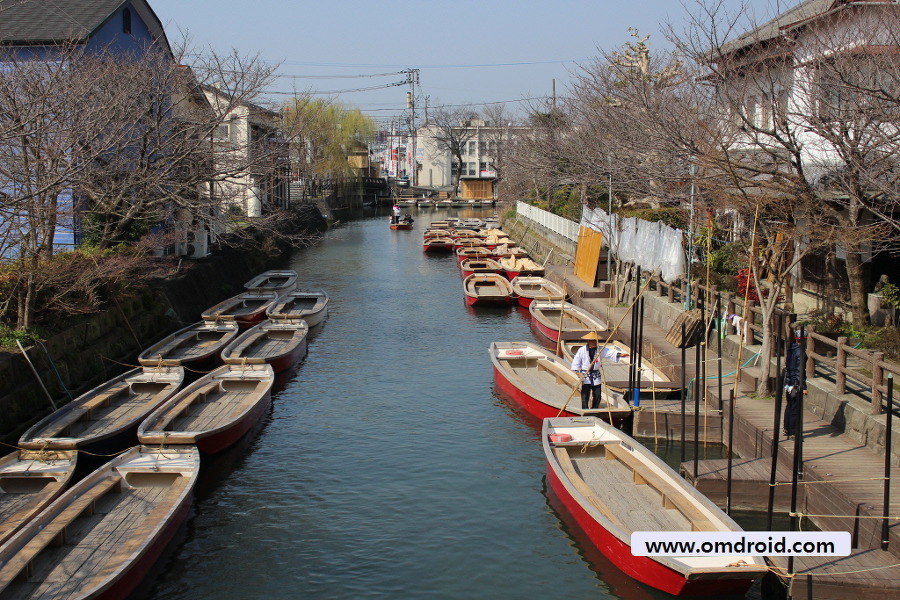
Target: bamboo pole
[{"x": 36, "y": 375}]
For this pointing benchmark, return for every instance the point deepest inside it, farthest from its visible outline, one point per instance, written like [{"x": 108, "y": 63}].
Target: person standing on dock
[{"x": 587, "y": 364}]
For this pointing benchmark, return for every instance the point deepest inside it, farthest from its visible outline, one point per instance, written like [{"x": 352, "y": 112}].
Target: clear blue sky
[{"x": 468, "y": 52}]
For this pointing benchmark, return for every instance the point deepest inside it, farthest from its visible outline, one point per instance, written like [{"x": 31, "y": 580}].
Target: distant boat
[
  {"x": 613, "y": 486},
  {"x": 248, "y": 308},
  {"x": 475, "y": 252},
  {"x": 544, "y": 385},
  {"x": 100, "y": 538},
  {"x": 196, "y": 347},
  {"x": 309, "y": 305},
  {"x": 487, "y": 288},
  {"x": 529, "y": 288},
  {"x": 555, "y": 319},
  {"x": 29, "y": 481},
  {"x": 279, "y": 343},
  {"x": 401, "y": 225},
  {"x": 105, "y": 419},
  {"x": 214, "y": 412},
  {"x": 470, "y": 266},
  {"x": 437, "y": 244},
  {"x": 278, "y": 280}
]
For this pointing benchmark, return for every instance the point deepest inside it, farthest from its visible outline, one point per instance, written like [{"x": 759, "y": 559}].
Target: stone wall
[{"x": 98, "y": 347}]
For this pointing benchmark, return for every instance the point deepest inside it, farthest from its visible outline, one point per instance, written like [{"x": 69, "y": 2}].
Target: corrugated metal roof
[{"x": 33, "y": 21}]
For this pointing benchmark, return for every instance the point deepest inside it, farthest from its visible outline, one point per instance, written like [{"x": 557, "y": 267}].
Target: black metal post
[
  {"x": 640, "y": 361},
  {"x": 683, "y": 390},
  {"x": 730, "y": 455},
  {"x": 696, "y": 408},
  {"x": 779, "y": 399},
  {"x": 885, "y": 532}
]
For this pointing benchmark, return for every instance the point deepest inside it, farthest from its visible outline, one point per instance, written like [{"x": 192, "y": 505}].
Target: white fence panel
[{"x": 555, "y": 223}]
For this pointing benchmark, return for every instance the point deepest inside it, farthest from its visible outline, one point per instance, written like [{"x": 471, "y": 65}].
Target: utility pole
[{"x": 412, "y": 76}]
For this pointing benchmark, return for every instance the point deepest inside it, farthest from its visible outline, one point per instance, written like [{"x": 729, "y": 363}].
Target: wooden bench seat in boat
[
  {"x": 671, "y": 496},
  {"x": 55, "y": 530}
]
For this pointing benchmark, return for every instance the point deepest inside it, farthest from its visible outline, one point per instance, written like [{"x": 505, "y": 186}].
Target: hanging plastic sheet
[{"x": 651, "y": 245}]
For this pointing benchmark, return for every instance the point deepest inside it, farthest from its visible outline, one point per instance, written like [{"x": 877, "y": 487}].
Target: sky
[{"x": 468, "y": 52}]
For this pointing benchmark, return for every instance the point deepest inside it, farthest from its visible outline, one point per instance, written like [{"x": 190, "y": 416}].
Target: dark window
[{"x": 126, "y": 21}]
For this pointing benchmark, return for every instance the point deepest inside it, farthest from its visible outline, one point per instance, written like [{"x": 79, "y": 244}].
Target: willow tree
[{"x": 322, "y": 133}]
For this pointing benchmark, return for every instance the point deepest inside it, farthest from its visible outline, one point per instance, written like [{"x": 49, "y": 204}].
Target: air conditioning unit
[{"x": 197, "y": 245}]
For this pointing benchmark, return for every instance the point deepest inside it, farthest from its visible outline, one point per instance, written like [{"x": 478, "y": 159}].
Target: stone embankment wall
[{"x": 99, "y": 347}]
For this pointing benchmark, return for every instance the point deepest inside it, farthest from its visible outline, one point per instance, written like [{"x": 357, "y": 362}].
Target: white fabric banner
[{"x": 651, "y": 245}]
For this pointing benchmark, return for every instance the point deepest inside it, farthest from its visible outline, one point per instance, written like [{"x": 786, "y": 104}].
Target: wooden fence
[
  {"x": 870, "y": 369},
  {"x": 863, "y": 366}
]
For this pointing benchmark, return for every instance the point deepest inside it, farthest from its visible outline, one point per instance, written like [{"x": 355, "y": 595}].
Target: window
[
  {"x": 221, "y": 132},
  {"x": 454, "y": 167},
  {"x": 482, "y": 147},
  {"x": 126, "y": 21},
  {"x": 472, "y": 148},
  {"x": 482, "y": 166},
  {"x": 471, "y": 166}
]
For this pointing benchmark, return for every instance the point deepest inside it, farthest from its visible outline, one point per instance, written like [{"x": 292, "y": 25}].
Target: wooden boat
[
  {"x": 273, "y": 280},
  {"x": 487, "y": 288},
  {"x": 576, "y": 322},
  {"x": 29, "y": 481},
  {"x": 105, "y": 419},
  {"x": 279, "y": 343},
  {"x": 213, "y": 412},
  {"x": 462, "y": 233},
  {"x": 440, "y": 225},
  {"x": 476, "y": 252},
  {"x": 470, "y": 266},
  {"x": 436, "y": 244},
  {"x": 402, "y": 225},
  {"x": 433, "y": 233},
  {"x": 100, "y": 538},
  {"x": 468, "y": 242},
  {"x": 507, "y": 250},
  {"x": 248, "y": 308},
  {"x": 615, "y": 375},
  {"x": 196, "y": 346},
  {"x": 529, "y": 288},
  {"x": 613, "y": 486},
  {"x": 545, "y": 386},
  {"x": 309, "y": 305},
  {"x": 514, "y": 267}
]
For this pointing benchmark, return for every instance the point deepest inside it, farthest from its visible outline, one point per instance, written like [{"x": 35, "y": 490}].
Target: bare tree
[{"x": 453, "y": 128}]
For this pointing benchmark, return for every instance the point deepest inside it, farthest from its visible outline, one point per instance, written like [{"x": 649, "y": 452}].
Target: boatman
[{"x": 587, "y": 363}]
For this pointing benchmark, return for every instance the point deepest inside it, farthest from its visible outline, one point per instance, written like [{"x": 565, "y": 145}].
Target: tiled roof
[
  {"x": 34, "y": 21},
  {"x": 772, "y": 29}
]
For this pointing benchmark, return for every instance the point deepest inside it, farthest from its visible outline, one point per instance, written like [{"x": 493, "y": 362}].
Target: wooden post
[
  {"x": 671, "y": 289},
  {"x": 810, "y": 350},
  {"x": 841, "y": 377},
  {"x": 877, "y": 380}
]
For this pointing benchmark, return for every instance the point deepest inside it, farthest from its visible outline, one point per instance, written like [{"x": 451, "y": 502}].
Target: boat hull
[
  {"x": 214, "y": 412},
  {"x": 642, "y": 568},
  {"x": 529, "y": 403},
  {"x": 401, "y": 226}
]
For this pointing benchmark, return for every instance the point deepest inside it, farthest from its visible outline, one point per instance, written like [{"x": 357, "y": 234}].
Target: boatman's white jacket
[{"x": 582, "y": 361}]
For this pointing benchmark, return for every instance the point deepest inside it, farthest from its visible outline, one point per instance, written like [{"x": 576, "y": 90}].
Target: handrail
[{"x": 880, "y": 368}]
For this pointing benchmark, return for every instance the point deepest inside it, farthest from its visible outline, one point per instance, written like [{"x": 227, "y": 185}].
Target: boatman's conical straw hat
[{"x": 592, "y": 335}]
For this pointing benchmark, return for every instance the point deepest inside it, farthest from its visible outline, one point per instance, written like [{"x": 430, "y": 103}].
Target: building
[
  {"x": 251, "y": 154},
  {"x": 474, "y": 151},
  {"x": 812, "y": 94}
]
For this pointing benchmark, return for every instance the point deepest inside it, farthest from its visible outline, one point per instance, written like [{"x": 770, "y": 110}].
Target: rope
[
  {"x": 777, "y": 483},
  {"x": 159, "y": 364},
  {"x": 875, "y": 517}
]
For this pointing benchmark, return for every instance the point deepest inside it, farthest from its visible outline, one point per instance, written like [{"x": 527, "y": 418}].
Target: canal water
[{"x": 388, "y": 467}]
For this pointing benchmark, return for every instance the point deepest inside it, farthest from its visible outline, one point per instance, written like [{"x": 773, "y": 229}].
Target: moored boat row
[{"x": 99, "y": 537}]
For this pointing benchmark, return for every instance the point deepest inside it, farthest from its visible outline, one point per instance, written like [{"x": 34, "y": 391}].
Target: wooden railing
[
  {"x": 732, "y": 304},
  {"x": 872, "y": 372}
]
